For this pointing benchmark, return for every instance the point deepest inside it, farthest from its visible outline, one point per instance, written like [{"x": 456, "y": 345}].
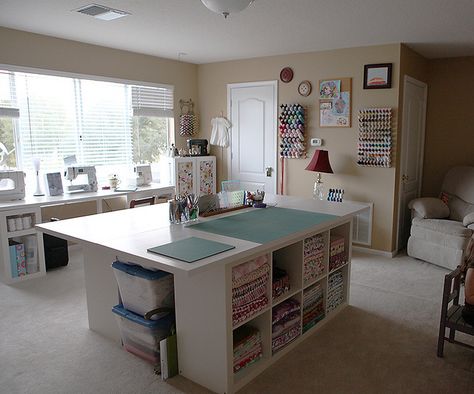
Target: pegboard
[
  {"x": 292, "y": 128},
  {"x": 375, "y": 137}
]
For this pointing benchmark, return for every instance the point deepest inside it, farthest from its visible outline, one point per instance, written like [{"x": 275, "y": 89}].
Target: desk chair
[
  {"x": 142, "y": 201},
  {"x": 451, "y": 315}
]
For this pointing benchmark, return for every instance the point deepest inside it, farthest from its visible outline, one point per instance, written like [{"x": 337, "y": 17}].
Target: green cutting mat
[
  {"x": 191, "y": 249},
  {"x": 264, "y": 224}
]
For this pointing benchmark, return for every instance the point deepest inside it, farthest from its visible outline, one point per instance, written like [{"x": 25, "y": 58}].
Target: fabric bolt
[
  {"x": 284, "y": 309},
  {"x": 241, "y": 313},
  {"x": 251, "y": 291},
  {"x": 220, "y": 132},
  {"x": 335, "y": 279},
  {"x": 286, "y": 337},
  {"x": 285, "y": 324},
  {"x": 244, "y": 269}
]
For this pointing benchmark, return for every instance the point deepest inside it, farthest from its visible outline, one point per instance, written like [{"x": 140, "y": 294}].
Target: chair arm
[
  {"x": 429, "y": 208},
  {"x": 468, "y": 219}
]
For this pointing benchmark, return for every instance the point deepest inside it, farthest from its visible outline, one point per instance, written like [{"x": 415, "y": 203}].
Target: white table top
[
  {"x": 131, "y": 232},
  {"x": 32, "y": 201}
]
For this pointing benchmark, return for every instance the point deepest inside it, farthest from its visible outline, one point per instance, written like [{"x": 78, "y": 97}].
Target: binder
[{"x": 169, "y": 357}]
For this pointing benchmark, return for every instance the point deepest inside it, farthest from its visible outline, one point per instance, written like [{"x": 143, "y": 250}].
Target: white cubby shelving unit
[
  {"x": 292, "y": 258},
  {"x": 8, "y": 234}
]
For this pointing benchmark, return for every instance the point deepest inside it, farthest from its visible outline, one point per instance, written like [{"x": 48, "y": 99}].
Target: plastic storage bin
[
  {"x": 140, "y": 336},
  {"x": 144, "y": 290}
]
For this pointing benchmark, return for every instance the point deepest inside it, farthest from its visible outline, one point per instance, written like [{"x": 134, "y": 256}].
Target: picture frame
[
  {"x": 378, "y": 76},
  {"x": 54, "y": 184}
]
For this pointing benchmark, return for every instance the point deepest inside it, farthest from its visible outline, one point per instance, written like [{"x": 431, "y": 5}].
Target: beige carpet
[{"x": 384, "y": 342}]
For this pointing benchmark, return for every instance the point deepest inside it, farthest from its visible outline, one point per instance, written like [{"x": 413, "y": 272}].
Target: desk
[
  {"x": 30, "y": 209},
  {"x": 203, "y": 290}
]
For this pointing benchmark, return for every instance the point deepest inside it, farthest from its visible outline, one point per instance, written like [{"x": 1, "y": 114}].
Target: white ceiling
[{"x": 434, "y": 28}]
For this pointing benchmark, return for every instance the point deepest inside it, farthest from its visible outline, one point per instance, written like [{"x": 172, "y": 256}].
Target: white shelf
[{"x": 21, "y": 233}]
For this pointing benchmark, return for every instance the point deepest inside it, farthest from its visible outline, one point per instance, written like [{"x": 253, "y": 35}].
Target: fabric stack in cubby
[
  {"x": 337, "y": 254},
  {"x": 313, "y": 306},
  {"x": 247, "y": 346},
  {"x": 335, "y": 290},
  {"x": 286, "y": 323},
  {"x": 280, "y": 282},
  {"x": 249, "y": 288},
  {"x": 313, "y": 254}
]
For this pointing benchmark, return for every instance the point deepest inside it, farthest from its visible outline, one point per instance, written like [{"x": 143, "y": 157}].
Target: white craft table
[
  {"x": 31, "y": 206},
  {"x": 203, "y": 291}
]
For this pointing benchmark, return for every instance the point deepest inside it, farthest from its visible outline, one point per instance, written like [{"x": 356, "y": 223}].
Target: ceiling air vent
[{"x": 102, "y": 12}]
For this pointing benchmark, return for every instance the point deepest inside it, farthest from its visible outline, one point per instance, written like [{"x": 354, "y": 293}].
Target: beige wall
[
  {"x": 450, "y": 122},
  {"x": 20, "y": 48},
  {"x": 360, "y": 183}
]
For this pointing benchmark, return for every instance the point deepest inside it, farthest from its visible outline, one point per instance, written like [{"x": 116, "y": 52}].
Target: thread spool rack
[
  {"x": 292, "y": 128},
  {"x": 375, "y": 137}
]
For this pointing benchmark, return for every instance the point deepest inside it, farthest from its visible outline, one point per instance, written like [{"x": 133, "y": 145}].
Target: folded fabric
[
  {"x": 249, "y": 359},
  {"x": 263, "y": 270},
  {"x": 243, "y": 334},
  {"x": 280, "y": 282},
  {"x": 286, "y": 337},
  {"x": 249, "y": 292},
  {"x": 284, "y": 309},
  {"x": 241, "y": 313},
  {"x": 285, "y": 324},
  {"x": 246, "y": 268}
]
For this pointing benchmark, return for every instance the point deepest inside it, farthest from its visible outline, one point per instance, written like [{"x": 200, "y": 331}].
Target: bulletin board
[{"x": 335, "y": 102}]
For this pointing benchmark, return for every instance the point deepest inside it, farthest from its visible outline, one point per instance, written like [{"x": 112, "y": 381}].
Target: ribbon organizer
[{"x": 188, "y": 123}]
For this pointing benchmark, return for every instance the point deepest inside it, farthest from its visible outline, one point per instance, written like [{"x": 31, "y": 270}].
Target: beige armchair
[{"x": 441, "y": 227}]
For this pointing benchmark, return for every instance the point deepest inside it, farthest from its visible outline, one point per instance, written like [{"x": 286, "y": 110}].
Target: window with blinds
[{"x": 94, "y": 120}]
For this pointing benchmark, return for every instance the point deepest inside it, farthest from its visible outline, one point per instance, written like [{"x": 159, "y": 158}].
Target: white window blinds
[
  {"x": 8, "y": 105},
  {"x": 152, "y": 101},
  {"x": 93, "y": 120}
]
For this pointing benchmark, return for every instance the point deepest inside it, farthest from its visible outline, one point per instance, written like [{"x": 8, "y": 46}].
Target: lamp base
[{"x": 318, "y": 190}]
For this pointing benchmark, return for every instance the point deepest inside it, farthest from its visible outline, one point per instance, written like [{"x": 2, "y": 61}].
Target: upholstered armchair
[{"x": 441, "y": 227}]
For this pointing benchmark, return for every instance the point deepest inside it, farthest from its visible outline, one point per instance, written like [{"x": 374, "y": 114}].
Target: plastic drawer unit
[
  {"x": 141, "y": 336},
  {"x": 142, "y": 291}
]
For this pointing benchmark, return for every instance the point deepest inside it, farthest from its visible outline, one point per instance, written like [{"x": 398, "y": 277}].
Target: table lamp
[{"x": 319, "y": 163}]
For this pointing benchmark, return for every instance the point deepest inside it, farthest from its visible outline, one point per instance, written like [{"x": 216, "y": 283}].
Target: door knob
[
  {"x": 268, "y": 171},
  {"x": 404, "y": 177}
]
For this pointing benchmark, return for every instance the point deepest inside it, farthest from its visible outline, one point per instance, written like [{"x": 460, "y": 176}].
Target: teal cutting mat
[
  {"x": 191, "y": 249},
  {"x": 264, "y": 224}
]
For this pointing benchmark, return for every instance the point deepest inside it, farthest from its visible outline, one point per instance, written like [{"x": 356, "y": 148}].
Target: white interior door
[
  {"x": 253, "y": 114},
  {"x": 411, "y": 159}
]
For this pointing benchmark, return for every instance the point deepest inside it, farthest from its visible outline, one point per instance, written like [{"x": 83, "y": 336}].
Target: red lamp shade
[{"x": 320, "y": 162}]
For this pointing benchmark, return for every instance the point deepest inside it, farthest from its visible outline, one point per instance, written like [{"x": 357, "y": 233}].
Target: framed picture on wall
[{"x": 378, "y": 76}]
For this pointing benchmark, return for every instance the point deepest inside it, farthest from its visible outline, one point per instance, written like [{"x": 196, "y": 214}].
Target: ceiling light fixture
[
  {"x": 226, "y": 7},
  {"x": 102, "y": 12}
]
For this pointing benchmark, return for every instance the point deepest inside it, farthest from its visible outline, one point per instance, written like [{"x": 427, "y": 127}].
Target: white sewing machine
[
  {"x": 81, "y": 178},
  {"x": 143, "y": 174},
  {"x": 12, "y": 185}
]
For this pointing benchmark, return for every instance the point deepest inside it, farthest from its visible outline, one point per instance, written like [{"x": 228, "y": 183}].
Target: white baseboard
[{"x": 374, "y": 251}]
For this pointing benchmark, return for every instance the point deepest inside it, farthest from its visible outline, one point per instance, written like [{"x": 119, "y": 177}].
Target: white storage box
[
  {"x": 140, "y": 336},
  {"x": 144, "y": 290}
]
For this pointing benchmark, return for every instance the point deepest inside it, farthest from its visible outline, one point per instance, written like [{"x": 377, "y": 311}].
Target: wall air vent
[{"x": 102, "y": 12}]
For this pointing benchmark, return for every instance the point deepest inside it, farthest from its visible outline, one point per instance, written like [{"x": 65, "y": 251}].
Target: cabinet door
[
  {"x": 184, "y": 168},
  {"x": 206, "y": 175}
]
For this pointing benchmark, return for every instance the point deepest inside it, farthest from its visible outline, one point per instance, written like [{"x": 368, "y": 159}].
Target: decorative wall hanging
[
  {"x": 286, "y": 74},
  {"x": 304, "y": 88},
  {"x": 378, "y": 76},
  {"x": 375, "y": 137},
  {"x": 292, "y": 144},
  {"x": 335, "y": 102},
  {"x": 188, "y": 124}
]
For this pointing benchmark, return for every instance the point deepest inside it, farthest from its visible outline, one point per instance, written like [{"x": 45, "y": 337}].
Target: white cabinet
[
  {"x": 194, "y": 175},
  {"x": 22, "y": 255}
]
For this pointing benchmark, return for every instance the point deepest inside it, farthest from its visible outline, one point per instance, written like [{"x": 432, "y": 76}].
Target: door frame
[
  {"x": 274, "y": 84},
  {"x": 423, "y": 85}
]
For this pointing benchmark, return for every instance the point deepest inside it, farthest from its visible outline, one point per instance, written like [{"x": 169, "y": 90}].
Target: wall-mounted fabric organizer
[
  {"x": 292, "y": 125},
  {"x": 375, "y": 137}
]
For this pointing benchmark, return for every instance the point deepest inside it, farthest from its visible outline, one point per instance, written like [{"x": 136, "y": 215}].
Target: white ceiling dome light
[{"x": 226, "y": 7}]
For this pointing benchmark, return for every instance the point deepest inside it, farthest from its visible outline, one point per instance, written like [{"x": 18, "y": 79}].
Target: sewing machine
[
  {"x": 77, "y": 176},
  {"x": 12, "y": 185},
  {"x": 143, "y": 173}
]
